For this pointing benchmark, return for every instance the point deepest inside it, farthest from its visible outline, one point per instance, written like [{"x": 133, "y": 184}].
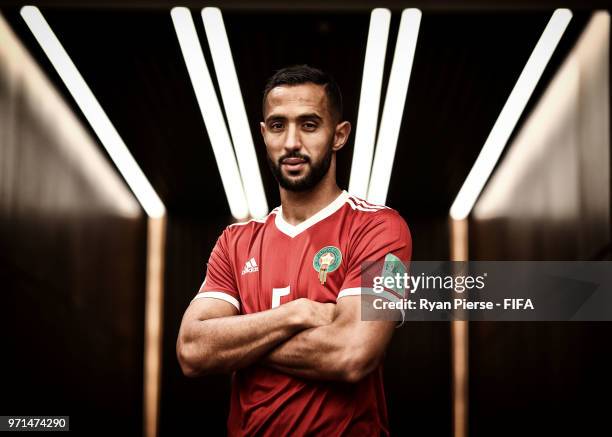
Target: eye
[
  {"x": 309, "y": 125},
  {"x": 276, "y": 125}
]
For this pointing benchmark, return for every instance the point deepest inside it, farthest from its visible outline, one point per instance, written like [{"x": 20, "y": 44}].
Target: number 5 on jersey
[{"x": 277, "y": 293}]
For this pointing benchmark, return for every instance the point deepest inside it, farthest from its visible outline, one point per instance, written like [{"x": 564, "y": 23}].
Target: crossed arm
[{"x": 302, "y": 338}]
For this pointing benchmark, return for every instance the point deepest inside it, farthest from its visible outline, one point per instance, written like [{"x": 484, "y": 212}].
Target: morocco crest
[{"x": 326, "y": 261}]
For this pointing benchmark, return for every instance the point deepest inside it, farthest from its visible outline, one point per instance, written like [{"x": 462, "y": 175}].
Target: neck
[{"x": 299, "y": 206}]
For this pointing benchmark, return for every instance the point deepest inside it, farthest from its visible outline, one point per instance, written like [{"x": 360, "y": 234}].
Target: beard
[{"x": 315, "y": 171}]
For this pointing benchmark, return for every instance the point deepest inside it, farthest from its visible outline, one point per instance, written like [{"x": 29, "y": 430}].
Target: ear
[
  {"x": 341, "y": 135},
  {"x": 262, "y": 128}
]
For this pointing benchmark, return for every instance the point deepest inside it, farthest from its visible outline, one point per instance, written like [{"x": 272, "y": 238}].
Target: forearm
[
  {"x": 317, "y": 353},
  {"x": 341, "y": 351},
  {"x": 224, "y": 344}
]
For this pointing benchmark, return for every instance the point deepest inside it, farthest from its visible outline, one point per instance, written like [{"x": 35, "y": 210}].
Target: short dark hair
[{"x": 300, "y": 74}]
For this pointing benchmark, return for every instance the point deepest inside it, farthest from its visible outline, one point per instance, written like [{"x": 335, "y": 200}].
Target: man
[{"x": 280, "y": 305}]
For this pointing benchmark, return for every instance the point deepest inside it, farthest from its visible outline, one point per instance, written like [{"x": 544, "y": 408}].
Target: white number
[{"x": 277, "y": 293}]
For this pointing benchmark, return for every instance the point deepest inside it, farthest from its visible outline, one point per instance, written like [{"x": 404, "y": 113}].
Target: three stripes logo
[{"x": 250, "y": 267}]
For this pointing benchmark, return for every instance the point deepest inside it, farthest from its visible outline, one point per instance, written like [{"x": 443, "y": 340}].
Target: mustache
[{"x": 293, "y": 155}]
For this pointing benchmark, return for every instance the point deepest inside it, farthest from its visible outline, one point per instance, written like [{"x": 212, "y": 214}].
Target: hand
[{"x": 313, "y": 314}]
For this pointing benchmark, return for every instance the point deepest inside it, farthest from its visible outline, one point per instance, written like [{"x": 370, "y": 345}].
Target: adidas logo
[{"x": 250, "y": 267}]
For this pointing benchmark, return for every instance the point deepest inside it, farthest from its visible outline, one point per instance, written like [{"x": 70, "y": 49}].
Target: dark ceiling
[
  {"x": 328, "y": 5},
  {"x": 465, "y": 66}
]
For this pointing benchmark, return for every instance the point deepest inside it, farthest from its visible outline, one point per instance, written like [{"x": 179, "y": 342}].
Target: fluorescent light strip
[
  {"x": 579, "y": 91},
  {"x": 95, "y": 115},
  {"x": 64, "y": 130},
  {"x": 211, "y": 111},
  {"x": 235, "y": 111},
  {"x": 393, "y": 109},
  {"x": 369, "y": 101},
  {"x": 510, "y": 114}
]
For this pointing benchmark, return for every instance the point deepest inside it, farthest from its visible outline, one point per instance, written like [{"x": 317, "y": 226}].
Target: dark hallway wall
[
  {"x": 549, "y": 199},
  {"x": 72, "y": 245}
]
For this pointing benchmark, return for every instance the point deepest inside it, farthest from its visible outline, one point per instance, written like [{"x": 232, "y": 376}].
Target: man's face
[{"x": 300, "y": 134}]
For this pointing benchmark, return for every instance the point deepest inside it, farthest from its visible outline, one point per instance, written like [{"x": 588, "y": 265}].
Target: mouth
[{"x": 293, "y": 164}]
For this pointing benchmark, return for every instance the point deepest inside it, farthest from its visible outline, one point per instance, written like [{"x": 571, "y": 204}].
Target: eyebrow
[{"x": 308, "y": 116}]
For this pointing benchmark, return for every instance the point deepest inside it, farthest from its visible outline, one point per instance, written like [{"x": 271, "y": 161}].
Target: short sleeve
[
  {"x": 386, "y": 234},
  {"x": 220, "y": 282}
]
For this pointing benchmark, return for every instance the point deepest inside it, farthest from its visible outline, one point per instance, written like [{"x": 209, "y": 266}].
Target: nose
[{"x": 292, "y": 139}]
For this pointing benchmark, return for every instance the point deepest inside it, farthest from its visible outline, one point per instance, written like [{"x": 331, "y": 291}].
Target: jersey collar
[{"x": 294, "y": 230}]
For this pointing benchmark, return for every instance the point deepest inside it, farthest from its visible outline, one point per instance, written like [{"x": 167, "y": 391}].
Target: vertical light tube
[
  {"x": 235, "y": 111},
  {"x": 369, "y": 101},
  {"x": 393, "y": 109},
  {"x": 95, "y": 115},
  {"x": 510, "y": 114},
  {"x": 211, "y": 111}
]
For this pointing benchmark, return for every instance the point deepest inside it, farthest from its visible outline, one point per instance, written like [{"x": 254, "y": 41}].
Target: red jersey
[{"x": 261, "y": 264}]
